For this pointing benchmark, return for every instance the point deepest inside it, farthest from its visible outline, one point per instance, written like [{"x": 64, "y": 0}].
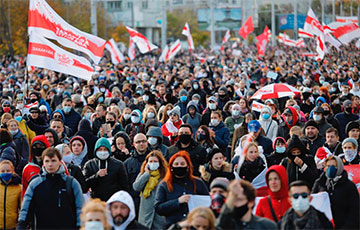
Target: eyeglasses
[
  {"x": 173, "y": 114},
  {"x": 57, "y": 116},
  {"x": 303, "y": 195},
  {"x": 141, "y": 142},
  {"x": 34, "y": 112},
  {"x": 6, "y": 105}
]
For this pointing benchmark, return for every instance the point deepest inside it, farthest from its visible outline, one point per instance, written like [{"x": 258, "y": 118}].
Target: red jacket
[{"x": 279, "y": 200}]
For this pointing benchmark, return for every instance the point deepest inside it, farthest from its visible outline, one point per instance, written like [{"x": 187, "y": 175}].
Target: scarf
[
  {"x": 152, "y": 182},
  {"x": 171, "y": 127},
  {"x": 331, "y": 182},
  {"x": 309, "y": 220}
]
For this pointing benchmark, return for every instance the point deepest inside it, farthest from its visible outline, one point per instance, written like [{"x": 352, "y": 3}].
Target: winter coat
[
  {"x": 7, "y": 152},
  {"x": 208, "y": 173},
  {"x": 250, "y": 170},
  {"x": 344, "y": 200},
  {"x": 10, "y": 202},
  {"x": 284, "y": 127},
  {"x": 193, "y": 121},
  {"x": 156, "y": 132},
  {"x": 226, "y": 220},
  {"x": 147, "y": 215},
  {"x": 38, "y": 125},
  {"x": 84, "y": 130},
  {"x": 266, "y": 144},
  {"x": 97, "y": 124},
  {"x": 22, "y": 151},
  {"x": 75, "y": 171},
  {"x": 279, "y": 200},
  {"x": 270, "y": 128},
  {"x": 183, "y": 106},
  {"x": 198, "y": 91},
  {"x": 314, "y": 145},
  {"x": 133, "y": 129},
  {"x": 72, "y": 120},
  {"x": 323, "y": 126},
  {"x": 344, "y": 119},
  {"x": 222, "y": 135},
  {"x": 167, "y": 203},
  {"x": 196, "y": 152},
  {"x": 232, "y": 123},
  {"x": 48, "y": 193},
  {"x": 26, "y": 130}
]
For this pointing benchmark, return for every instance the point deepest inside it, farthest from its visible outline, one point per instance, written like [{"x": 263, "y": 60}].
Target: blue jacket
[
  {"x": 183, "y": 107},
  {"x": 48, "y": 202},
  {"x": 222, "y": 135},
  {"x": 72, "y": 120},
  {"x": 167, "y": 203},
  {"x": 7, "y": 152}
]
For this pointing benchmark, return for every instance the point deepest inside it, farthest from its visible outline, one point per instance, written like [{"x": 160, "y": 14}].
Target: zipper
[
  {"x": 5, "y": 189},
  {"x": 59, "y": 200}
]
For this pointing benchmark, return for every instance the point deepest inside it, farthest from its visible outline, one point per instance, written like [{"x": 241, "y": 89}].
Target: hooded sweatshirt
[
  {"x": 284, "y": 128},
  {"x": 279, "y": 199},
  {"x": 269, "y": 126}
]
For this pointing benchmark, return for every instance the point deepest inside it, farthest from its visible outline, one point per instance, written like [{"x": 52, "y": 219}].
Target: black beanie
[{"x": 311, "y": 123}]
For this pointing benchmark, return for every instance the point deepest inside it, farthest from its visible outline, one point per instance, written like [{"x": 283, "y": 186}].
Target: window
[
  {"x": 114, "y": 5},
  {"x": 177, "y": 2},
  {"x": 144, "y": 4}
]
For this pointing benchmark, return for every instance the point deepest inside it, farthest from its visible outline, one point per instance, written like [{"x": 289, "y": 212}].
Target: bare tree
[{"x": 5, "y": 28}]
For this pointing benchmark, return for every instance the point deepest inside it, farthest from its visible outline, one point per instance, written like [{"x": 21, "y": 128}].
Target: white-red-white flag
[
  {"x": 44, "y": 54},
  {"x": 312, "y": 24},
  {"x": 304, "y": 34},
  {"x": 141, "y": 41},
  {"x": 257, "y": 106},
  {"x": 131, "y": 50},
  {"x": 226, "y": 37},
  {"x": 187, "y": 33},
  {"x": 347, "y": 19},
  {"x": 164, "y": 53},
  {"x": 320, "y": 47},
  {"x": 357, "y": 44},
  {"x": 345, "y": 32},
  {"x": 174, "y": 49},
  {"x": 116, "y": 55},
  {"x": 262, "y": 41},
  {"x": 44, "y": 21}
]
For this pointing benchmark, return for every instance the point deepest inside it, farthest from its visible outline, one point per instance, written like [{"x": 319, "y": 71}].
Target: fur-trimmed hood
[{"x": 206, "y": 170}]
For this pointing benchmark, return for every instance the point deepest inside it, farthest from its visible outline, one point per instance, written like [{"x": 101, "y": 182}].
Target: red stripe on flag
[{"x": 41, "y": 50}]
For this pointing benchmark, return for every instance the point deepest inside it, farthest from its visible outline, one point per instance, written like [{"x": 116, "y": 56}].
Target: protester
[
  {"x": 155, "y": 139},
  {"x": 350, "y": 154},
  {"x": 79, "y": 151},
  {"x": 199, "y": 218},
  {"x": 218, "y": 194},
  {"x": 94, "y": 215},
  {"x": 279, "y": 146},
  {"x": 267, "y": 123},
  {"x": 121, "y": 146}
]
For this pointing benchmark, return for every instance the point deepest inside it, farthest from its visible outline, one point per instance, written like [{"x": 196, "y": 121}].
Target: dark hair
[
  {"x": 186, "y": 125},
  {"x": 249, "y": 190},
  {"x": 67, "y": 100},
  {"x": 299, "y": 183},
  {"x": 51, "y": 152},
  {"x": 5, "y": 136},
  {"x": 57, "y": 119},
  {"x": 332, "y": 130},
  {"x": 208, "y": 139}
]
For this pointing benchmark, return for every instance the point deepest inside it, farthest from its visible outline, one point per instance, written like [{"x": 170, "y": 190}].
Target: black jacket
[
  {"x": 197, "y": 154},
  {"x": 76, "y": 172},
  {"x": 104, "y": 187},
  {"x": 84, "y": 130},
  {"x": 313, "y": 145},
  {"x": 72, "y": 120},
  {"x": 344, "y": 201},
  {"x": 250, "y": 170}
]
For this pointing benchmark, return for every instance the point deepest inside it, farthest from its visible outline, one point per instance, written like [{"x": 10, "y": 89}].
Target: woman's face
[
  {"x": 200, "y": 223},
  {"x": 242, "y": 104},
  {"x": 95, "y": 216},
  {"x": 248, "y": 119},
  {"x": 13, "y": 126},
  {"x": 274, "y": 182},
  {"x": 252, "y": 153},
  {"x": 5, "y": 168},
  {"x": 120, "y": 143},
  {"x": 153, "y": 160},
  {"x": 173, "y": 117},
  {"x": 179, "y": 162},
  {"x": 66, "y": 150},
  {"x": 217, "y": 161},
  {"x": 77, "y": 147}
]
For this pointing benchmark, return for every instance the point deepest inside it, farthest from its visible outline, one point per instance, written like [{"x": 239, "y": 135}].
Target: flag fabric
[
  {"x": 131, "y": 50},
  {"x": 226, "y": 37},
  {"x": 187, "y": 33},
  {"x": 257, "y": 106},
  {"x": 26, "y": 109},
  {"x": 246, "y": 28},
  {"x": 312, "y": 24},
  {"x": 345, "y": 32},
  {"x": 164, "y": 53},
  {"x": 116, "y": 55},
  {"x": 354, "y": 174},
  {"x": 346, "y": 19},
  {"x": 304, "y": 34},
  {"x": 262, "y": 41},
  {"x": 141, "y": 41},
  {"x": 357, "y": 44},
  {"x": 174, "y": 49},
  {"x": 44, "y": 54},
  {"x": 286, "y": 40},
  {"x": 45, "y": 21},
  {"x": 320, "y": 47}
]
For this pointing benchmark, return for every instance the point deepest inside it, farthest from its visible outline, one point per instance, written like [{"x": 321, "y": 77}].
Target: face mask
[
  {"x": 6, "y": 177},
  {"x": 336, "y": 101},
  {"x": 331, "y": 171},
  {"x": 196, "y": 86},
  {"x": 280, "y": 149},
  {"x": 101, "y": 100},
  {"x": 239, "y": 212},
  {"x": 350, "y": 154},
  {"x": 102, "y": 155},
  {"x": 94, "y": 225},
  {"x": 212, "y": 106},
  {"x": 265, "y": 116},
  {"x": 196, "y": 101},
  {"x": 183, "y": 98},
  {"x": 59, "y": 90},
  {"x": 68, "y": 158},
  {"x": 153, "y": 166},
  {"x": 300, "y": 204},
  {"x": 217, "y": 202},
  {"x": 145, "y": 98},
  {"x": 127, "y": 116},
  {"x": 6, "y": 109},
  {"x": 112, "y": 123},
  {"x": 46, "y": 87},
  {"x": 18, "y": 118},
  {"x": 235, "y": 113},
  {"x": 150, "y": 115},
  {"x": 152, "y": 140},
  {"x": 102, "y": 90},
  {"x": 289, "y": 121},
  {"x": 135, "y": 119},
  {"x": 179, "y": 171},
  {"x": 20, "y": 106},
  {"x": 13, "y": 132},
  {"x": 214, "y": 122},
  {"x": 112, "y": 78},
  {"x": 348, "y": 109},
  {"x": 67, "y": 109},
  {"x": 317, "y": 117},
  {"x": 326, "y": 112},
  {"x": 38, "y": 151},
  {"x": 311, "y": 99},
  {"x": 201, "y": 137},
  {"x": 87, "y": 116},
  {"x": 185, "y": 138}
]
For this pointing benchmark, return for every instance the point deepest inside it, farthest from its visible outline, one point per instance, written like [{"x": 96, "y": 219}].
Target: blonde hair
[
  {"x": 205, "y": 213},
  {"x": 165, "y": 117},
  {"x": 147, "y": 109},
  {"x": 296, "y": 130},
  {"x": 94, "y": 205},
  {"x": 248, "y": 146},
  {"x": 7, "y": 162},
  {"x": 5, "y": 116},
  {"x": 12, "y": 120}
]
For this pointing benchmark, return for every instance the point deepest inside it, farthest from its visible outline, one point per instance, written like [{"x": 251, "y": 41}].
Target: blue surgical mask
[
  {"x": 183, "y": 98},
  {"x": 68, "y": 158},
  {"x": 18, "y": 118},
  {"x": 331, "y": 171},
  {"x": 67, "y": 109},
  {"x": 280, "y": 149},
  {"x": 101, "y": 100},
  {"x": 265, "y": 116},
  {"x": 6, "y": 177},
  {"x": 153, "y": 166},
  {"x": 94, "y": 225}
]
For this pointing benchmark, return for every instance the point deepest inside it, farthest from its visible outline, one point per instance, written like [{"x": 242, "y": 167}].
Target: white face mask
[
  {"x": 196, "y": 101},
  {"x": 235, "y": 113},
  {"x": 68, "y": 158},
  {"x": 102, "y": 155},
  {"x": 350, "y": 154},
  {"x": 150, "y": 115},
  {"x": 300, "y": 204},
  {"x": 214, "y": 122},
  {"x": 13, "y": 132},
  {"x": 212, "y": 106},
  {"x": 152, "y": 140},
  {"x": 94, "y": 225},
  {"x": 153, "y": 166},
  {"x": 127, "y": 116},
  {"x": 145, "y": 98},
  {"x": 135, "y": 119}
]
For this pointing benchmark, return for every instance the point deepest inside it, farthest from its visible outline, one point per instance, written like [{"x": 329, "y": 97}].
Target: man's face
[
  {"x": 51, "y": 164},
  {"x": 331, "y": 139},
  {"x": 216, "y": 190},
  {"x": 34, "y": 115},
  {"x": 311, "y": 132},
  {"x": 33, "y": 96},
  {"x": 86, "y": 91},
  {"x": 140, "y": 143},
  {"x": 100, "y": 112},
  {"x": 298, "y": 190},
  {"x": 49, "y": 136},
  {"x": 58, "y": 127},
  {"x": 184, "y": 130},
  {"x": 354, "y": 133},
  {"x": 119, "y": 212},
  {"x": 67, "y": 103},
  {"x": 161, "y": 89}
]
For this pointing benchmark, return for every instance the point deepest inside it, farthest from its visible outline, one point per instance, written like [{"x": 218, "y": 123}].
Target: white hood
[{"x": 125, "y": 198}]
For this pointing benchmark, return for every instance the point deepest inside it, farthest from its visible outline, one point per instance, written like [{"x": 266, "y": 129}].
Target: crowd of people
[{"x": 131, "y": 147}]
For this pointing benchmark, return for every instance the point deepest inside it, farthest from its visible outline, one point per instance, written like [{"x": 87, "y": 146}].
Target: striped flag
[
  {"x": 131, "y": 50},
  {"x": 116, "y": 55},
  {"x": 187, "y": 33},
  {"x": 226, "y": 37}
]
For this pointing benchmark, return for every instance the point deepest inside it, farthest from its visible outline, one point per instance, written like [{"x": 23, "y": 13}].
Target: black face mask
[
  {"x": 326, "y": 112},
  {"x": 201, "y": 137},
  {"x": 179, "y": 171},
  {"x": 185, "y": 138},
  {"x": 112, "y": 123},
  {"x": 33, "y": 100},
  {"x": 348, "y": 109},
  {"x": 38, "y": 151},
  {"x": 222, "y": 96},
  {"x": 239, "y": 212}
]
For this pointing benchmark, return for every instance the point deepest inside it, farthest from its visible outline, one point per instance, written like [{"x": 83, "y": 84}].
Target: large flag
[
  {"x": 164, "y": 53},
  {"x": 286, "y": 40},
  {"x": 226, "y": 37},
  {"x": 44, "y": 54},
  {"x": 304, "y": 34},
  {"x": 347, "y": 19},
  {"x": 187, "y": 33},
  {"x": 131, "y": 50},
  {"x": 246, "y": 28},
  {"x": 345, "y": 32},
  {"x": 45, "y": 21},
  {"x": 262, "y": 41},
  {"x": 320, "y": 47},
  {"x": 174, "y": 49},
  {"x": 141, "y": 41},
  {"x": 312, "y": 24},
  {"x": 116, "y": 55}
]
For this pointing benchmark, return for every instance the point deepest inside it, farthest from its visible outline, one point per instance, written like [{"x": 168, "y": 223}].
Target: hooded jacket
[
  {"x": 82, "y": 158},
  {"x": 10, "y": 202},
  {"x": 116, "y": 178},
  {"x": 72, "y": 120},
  {"x": 130, "y": 222},
  {"x": 284, "y": 128},
  {"x": 269, "y": 126},
  {"x": 195, "y": 120},
  {"x": 344, "y": 197},
  {"x": 222, "y": 135},
  {"x": 22, "y": 150},
  {"x": 118, "y": 154},
  {"x": 32, "y": 168},
  {"x": 279, "y": 200},
  {"x": 275, "y": 158},
  {"x": 85, "y": 131},
  {"x": 156, "y": 132},
  {"x": 133, "y": 129},
  {"x": 7, "y": 152},
  {"x": 199, "y": 91},
  {"x": 50, "y": 204}
]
